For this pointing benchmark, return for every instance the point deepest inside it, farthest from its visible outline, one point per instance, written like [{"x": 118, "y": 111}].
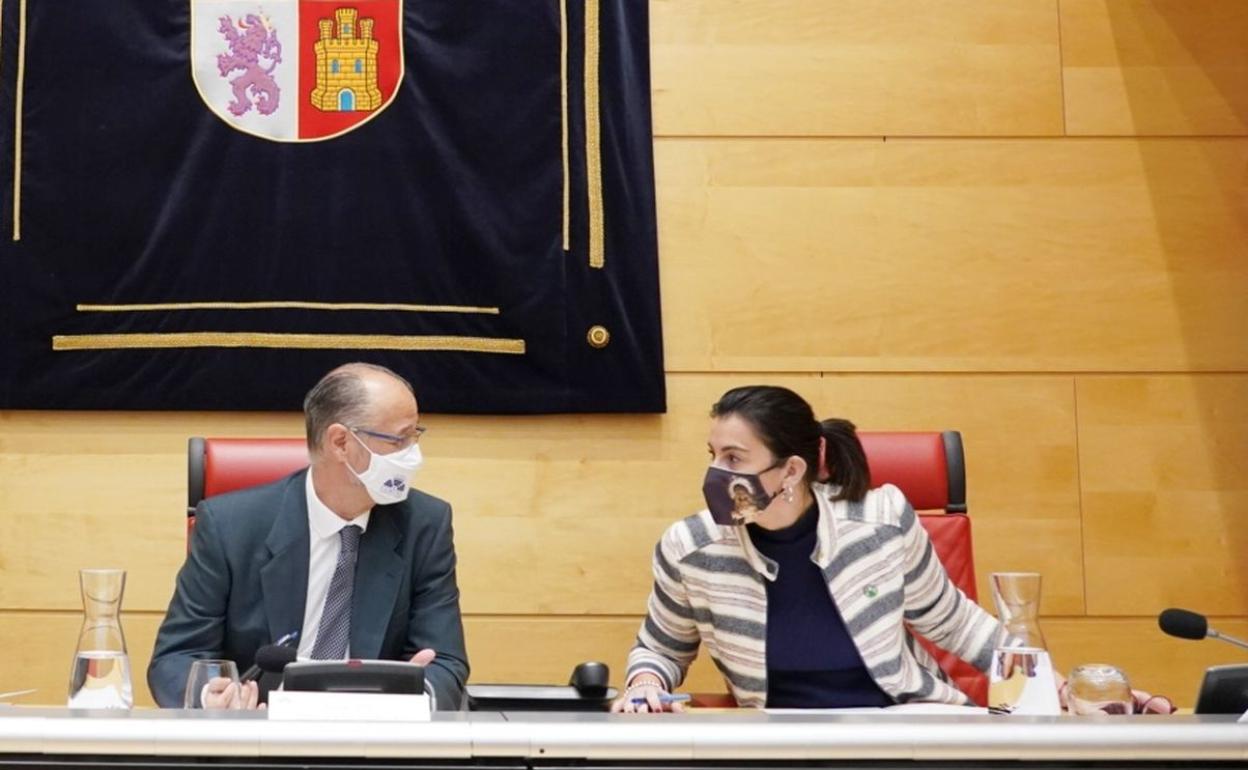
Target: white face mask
[{"x": 386, "y": 477}]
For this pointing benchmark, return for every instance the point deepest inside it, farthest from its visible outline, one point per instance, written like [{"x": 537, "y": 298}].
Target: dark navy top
[{"x": 811, "y": 660}]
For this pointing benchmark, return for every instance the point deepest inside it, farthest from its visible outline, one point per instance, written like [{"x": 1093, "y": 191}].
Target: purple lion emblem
[{"x": 256, "y": 41}]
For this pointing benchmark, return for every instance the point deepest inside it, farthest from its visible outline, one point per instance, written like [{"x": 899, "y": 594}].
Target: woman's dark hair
[{"x": 786, "y": 425}]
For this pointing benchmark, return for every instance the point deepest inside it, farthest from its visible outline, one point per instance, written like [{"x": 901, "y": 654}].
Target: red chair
[
  {"x": 929, "y": 468},
  {"x": 215, "y": 466}
]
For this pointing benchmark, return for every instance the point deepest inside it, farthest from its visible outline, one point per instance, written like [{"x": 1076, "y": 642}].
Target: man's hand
[
  {"x": 223, "y": 693},
  {"x": 424, "y": 657}
]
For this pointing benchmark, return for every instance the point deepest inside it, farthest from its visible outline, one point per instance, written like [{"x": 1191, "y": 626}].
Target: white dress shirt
[{"x": 323, "y": 547}]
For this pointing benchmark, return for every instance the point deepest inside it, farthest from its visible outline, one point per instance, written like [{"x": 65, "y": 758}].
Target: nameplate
[{"x": 299, "y": 706}]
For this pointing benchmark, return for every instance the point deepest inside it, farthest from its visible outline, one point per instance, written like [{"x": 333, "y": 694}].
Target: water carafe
[
  {"x": 100, "y": 677},
  {"x": 1021, "y": 680}
]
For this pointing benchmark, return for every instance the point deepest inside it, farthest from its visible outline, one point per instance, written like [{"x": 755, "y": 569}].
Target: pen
[
  {"x": 668, "y": 698},
  {"x": 287, "y": 639},
  {"x": 16, "y": 693}
]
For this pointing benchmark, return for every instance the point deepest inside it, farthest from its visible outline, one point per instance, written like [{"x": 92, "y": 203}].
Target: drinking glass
[
  {"x": 205, "y": 671},
  {"x": 1098, "y": 688}
]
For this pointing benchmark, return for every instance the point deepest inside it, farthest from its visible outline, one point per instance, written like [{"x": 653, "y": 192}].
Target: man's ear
[{"x": 335, "y": 443}]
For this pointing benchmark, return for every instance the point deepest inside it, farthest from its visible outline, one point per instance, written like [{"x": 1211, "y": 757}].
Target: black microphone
[
  {"x": 272, "y": 658},
  {"x": 1186, "y": 624}
]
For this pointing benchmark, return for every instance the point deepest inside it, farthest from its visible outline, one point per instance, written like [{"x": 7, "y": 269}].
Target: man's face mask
[
  {"x": 386, "y": 477},
  {"x": 735, "y": 498}
]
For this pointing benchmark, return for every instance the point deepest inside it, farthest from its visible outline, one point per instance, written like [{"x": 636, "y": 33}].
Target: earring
[{"x": 788, "y": 494}]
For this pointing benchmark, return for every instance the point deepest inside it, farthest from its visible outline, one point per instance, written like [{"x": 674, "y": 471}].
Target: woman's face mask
[
  {"x": 736, "y": 498},
  {"x": 386, "y": 477}
]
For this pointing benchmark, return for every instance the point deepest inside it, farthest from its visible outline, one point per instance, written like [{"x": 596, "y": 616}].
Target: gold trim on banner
[
  {"x": 563, "y": 122},
  {"x": 17, "y": 121},
  {"x": 593, "y": 144},
  {"x": 285, "y": 305},
  {"x": 62, "y": 342}
]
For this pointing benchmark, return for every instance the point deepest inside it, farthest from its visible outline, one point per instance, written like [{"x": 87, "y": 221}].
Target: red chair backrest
[
  {"x": 215, "y": 466},
  {"x": 929, "y": 467}
]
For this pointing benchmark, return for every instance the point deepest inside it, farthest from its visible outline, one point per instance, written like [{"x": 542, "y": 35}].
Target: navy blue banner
[{"x": 206, "y": 204}]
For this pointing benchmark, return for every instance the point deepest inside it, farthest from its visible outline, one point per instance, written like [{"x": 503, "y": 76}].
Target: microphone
[
  {"x": 1186, "y": 624},
  {"x": 272, "y": 658}
]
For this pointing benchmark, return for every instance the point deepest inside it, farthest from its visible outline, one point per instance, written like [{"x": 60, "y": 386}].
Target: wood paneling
[
  {"x": 1164, "y": 493},
  {"x": 553, "y": 514},
  {"x": 1140, "y": 67},
  {"x": 1022, "y": 467},
  {"x": 101, "y": 490},
  {"x": 38, "y": 647},
  {"x": 1154, "y": 662},
  {"x": 931, "y": 255},
  {"x": 855, "y": 67}
]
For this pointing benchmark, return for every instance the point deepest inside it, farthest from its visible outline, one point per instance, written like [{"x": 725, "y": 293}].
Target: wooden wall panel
[
  {"x": 917, "y": 255},
  {"x": 1154, "y": 662},
  {"x": 38, "y": 648},
  {"x": 573, "y": 504},
  {"x": 101, "y": 489},
  {"x": 1162, "y": 464},
  {"x": 855, "y": 67},
  {"x": 1149, "y": 67},
  {"x": 1022, "y": 467}
]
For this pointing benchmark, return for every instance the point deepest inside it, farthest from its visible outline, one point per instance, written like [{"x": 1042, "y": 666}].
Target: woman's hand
[{"x": 644, "y": 694}]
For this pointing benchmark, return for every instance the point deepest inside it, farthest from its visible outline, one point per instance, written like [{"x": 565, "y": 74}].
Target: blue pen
[{"x": 668, "y": 698}]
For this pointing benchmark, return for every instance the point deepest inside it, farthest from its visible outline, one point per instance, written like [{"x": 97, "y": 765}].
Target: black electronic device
[
  {"x": 271, "y": 658},
  {"x": 587, "y": 690},
  {"x": 591, "y": 679},
  {"x": 1224, "y": 690},
  {"x": 381, "y": 676}
]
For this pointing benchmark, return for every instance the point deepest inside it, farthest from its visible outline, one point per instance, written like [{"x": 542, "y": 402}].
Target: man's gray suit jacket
[{"x": 245, "y": 584}]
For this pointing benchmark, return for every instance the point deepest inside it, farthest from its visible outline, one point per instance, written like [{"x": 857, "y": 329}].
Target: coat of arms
[{"x": 297, "y": 70}]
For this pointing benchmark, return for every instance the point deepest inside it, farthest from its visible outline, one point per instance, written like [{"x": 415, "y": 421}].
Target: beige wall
[{"x": 1027, "y": 220}]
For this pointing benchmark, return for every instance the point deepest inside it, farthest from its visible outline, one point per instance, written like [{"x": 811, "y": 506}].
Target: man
[{"x": 340, "y": 552}]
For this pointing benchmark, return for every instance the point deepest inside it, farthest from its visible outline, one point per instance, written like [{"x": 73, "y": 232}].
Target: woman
[{"x": 810, "y": 605}]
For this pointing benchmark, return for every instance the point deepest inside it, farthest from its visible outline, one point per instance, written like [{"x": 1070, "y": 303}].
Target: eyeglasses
[{"x": 402, "y": 442}]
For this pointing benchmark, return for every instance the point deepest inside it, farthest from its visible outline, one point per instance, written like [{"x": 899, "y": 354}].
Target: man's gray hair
[{"x": 340, "y": 397}]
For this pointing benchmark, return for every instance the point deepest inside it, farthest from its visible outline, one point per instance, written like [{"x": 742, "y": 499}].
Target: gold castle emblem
[{"x": 346, "y": 64}]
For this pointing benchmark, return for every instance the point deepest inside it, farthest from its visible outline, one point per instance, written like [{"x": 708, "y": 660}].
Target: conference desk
[{"x": 43, "y": 737}]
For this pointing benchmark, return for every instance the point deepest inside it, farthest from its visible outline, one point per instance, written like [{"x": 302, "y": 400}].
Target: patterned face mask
[
  {"x": 735, "y": 498},
  {"x": 386, "y": 477}
]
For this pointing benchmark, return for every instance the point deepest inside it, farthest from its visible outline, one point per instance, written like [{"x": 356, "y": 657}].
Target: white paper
[{"x": 287, "y": 706}]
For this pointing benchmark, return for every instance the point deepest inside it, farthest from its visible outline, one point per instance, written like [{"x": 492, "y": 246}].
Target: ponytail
[{"x": 844, "y": 460}]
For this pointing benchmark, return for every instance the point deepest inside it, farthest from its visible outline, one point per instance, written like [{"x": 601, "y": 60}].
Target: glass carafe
[
  {"x": 1021, "y": 680},
  {"x": 100, "y": 676}
]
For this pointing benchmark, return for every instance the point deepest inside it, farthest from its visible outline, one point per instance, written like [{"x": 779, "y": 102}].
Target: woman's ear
[{"x": 795, "y": 469}]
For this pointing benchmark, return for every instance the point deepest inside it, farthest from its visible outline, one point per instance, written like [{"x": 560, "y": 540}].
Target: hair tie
[{"x": 823, "y": 474}]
